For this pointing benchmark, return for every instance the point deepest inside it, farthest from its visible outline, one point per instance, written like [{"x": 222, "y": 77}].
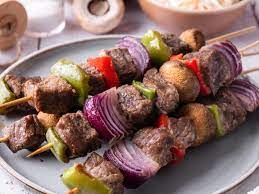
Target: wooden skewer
[
  {"x": 250, "y": 71},
  {"x": 73, "y": 191},
  {"x": 246, "y": 54},
  {"x": 232, "y": 35},
  {"x": 15, "y": 102},
  {"x": 4, "y": 139},
  {"x": 252, "y": 45},
  {"x": 41, "y": 150}
]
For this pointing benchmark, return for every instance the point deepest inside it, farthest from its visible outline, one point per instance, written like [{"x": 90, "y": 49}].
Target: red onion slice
[
  {"x": 137, "y": 50},
  {"x": 247, "y": 93},
  {"x": 102, "y": 113},
  {"x": 232, "y": 55},
  {"x": 133, "y": 163}
]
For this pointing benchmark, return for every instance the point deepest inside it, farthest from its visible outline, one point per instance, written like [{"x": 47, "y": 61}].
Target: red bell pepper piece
[
  {"x": 163, "y": 121},
  {"x": 176, "y": 57},
  {"x": 105, "y": 66},
  {"x": 178, "y": 154},
  {"x": 192, "y": 64}
]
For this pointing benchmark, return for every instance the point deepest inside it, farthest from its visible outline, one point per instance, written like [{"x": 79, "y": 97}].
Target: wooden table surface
[{"x": 136, "y": 23}]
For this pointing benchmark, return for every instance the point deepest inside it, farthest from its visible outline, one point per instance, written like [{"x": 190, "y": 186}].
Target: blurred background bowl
[{"x": 177, "y": 20}]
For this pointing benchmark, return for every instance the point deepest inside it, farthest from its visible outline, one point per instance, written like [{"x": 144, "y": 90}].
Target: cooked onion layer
[
  {"x": 102, "y": 113},
  {"x": 133, "y": 163},
  {"x": 138, "y": 52}
]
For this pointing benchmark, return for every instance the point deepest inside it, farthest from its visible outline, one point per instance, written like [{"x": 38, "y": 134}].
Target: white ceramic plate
[{"x": 212, "y": 168}]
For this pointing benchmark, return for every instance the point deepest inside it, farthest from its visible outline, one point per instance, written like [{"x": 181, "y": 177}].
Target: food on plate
[
  {"x": 26, "y": 133},
  {"x": 194, "y": 38},
  {"x": 128, "y": 61},
  {"x": 167, "y": 96},
  {"x": 151, "y": 148},
  {"x": 52, "y": 95},
  {"x": 96, "y": 175},
  {"x": 203, "y": 121},
  {"x": 48, "y": 120},
  {"x": 183, "y": 78}
]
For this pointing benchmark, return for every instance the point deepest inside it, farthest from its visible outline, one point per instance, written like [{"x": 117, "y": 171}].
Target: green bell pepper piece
[
  {"x": 75, "y": 76},
  {"x": 59, "y": 148},
  {"x": 76, "y": 177},
  {"x": 158, "y": 50},
  {"x": 6, "y": 95},
  {"x": 147, "y": 92},
  {"x": 215, "y": 111}
]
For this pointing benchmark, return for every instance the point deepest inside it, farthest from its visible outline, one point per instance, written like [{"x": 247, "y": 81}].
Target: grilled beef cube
[
  {"x": 176, "y": 45},
  {"x": 155, "y": 143},
  {"x": 136, "y": 108},
  {"x": 183, "y": 131},
  {"x": 124, "y": 64},
  {"x": 214, "y": 67},
  {"x": 53, "y": 95},
  {"x": 167, "y": 94},
  {"x": 77, "y": 134},
  {"x": 232, "y": 112},
  {"x": 96, "y": 81},
  {"x": 28, "y": 89},
  {"x": 16, "y": 85},
  {"x": 106, "y": 172},
  {"x": 26, "y": 133}
]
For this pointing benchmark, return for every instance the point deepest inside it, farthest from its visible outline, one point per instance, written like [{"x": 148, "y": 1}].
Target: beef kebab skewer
[
  {"x": 130, "y": 163},
  {"x": 175, "y": 87},
  {"x": 130, "y": 102},
  {"x": 128, "y": 61}
]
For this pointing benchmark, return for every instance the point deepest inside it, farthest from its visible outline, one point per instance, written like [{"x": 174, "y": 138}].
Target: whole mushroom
[
  {"x": 194, "y": 38},
  {"x": 182, "y": 78},
  {"x": 99, "y": 16}
]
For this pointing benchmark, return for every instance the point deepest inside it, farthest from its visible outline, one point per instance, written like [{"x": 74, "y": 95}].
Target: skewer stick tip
[
  {"x": 73, "y": 191},
  {"x": 4, "y": 139},
  {"x": 41, "y": 150},
  {"x": 15, "y": 102},
  {"x": 232, "y": 35},
  {"x": 250, "y": 71}
]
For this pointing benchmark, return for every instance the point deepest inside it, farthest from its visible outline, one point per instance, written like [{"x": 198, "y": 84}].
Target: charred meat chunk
[
  {"x": 77, "y": 134},
  {"x": 124, "y": 64},
  {"x": 183, "y": 131},
  {"x": 133, "y": 105},
  {"x": 194, "y": 38},
  {"x": 167, "y": 94},
  {"x": 106, "y": 172},
  {"x": 203, "y": 121},
  {"x": 26, "y": 133},
  {"x": 176, "y": 45},
  {"x": 232, "y": 112},
  {"x": 155, "y": 143},
  {"x": 16, "y": 84},
  {"x": 214, "y": 67},
  {"x": 96, "y": 81},
  {"x": 53, "y": 95}
]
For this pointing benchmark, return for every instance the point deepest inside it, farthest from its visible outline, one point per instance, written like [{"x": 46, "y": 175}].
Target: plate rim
[{"x": 41, "y": 189}]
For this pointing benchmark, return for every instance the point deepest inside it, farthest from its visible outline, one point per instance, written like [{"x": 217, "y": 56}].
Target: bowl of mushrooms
[{"x": 210, "y": 16}]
